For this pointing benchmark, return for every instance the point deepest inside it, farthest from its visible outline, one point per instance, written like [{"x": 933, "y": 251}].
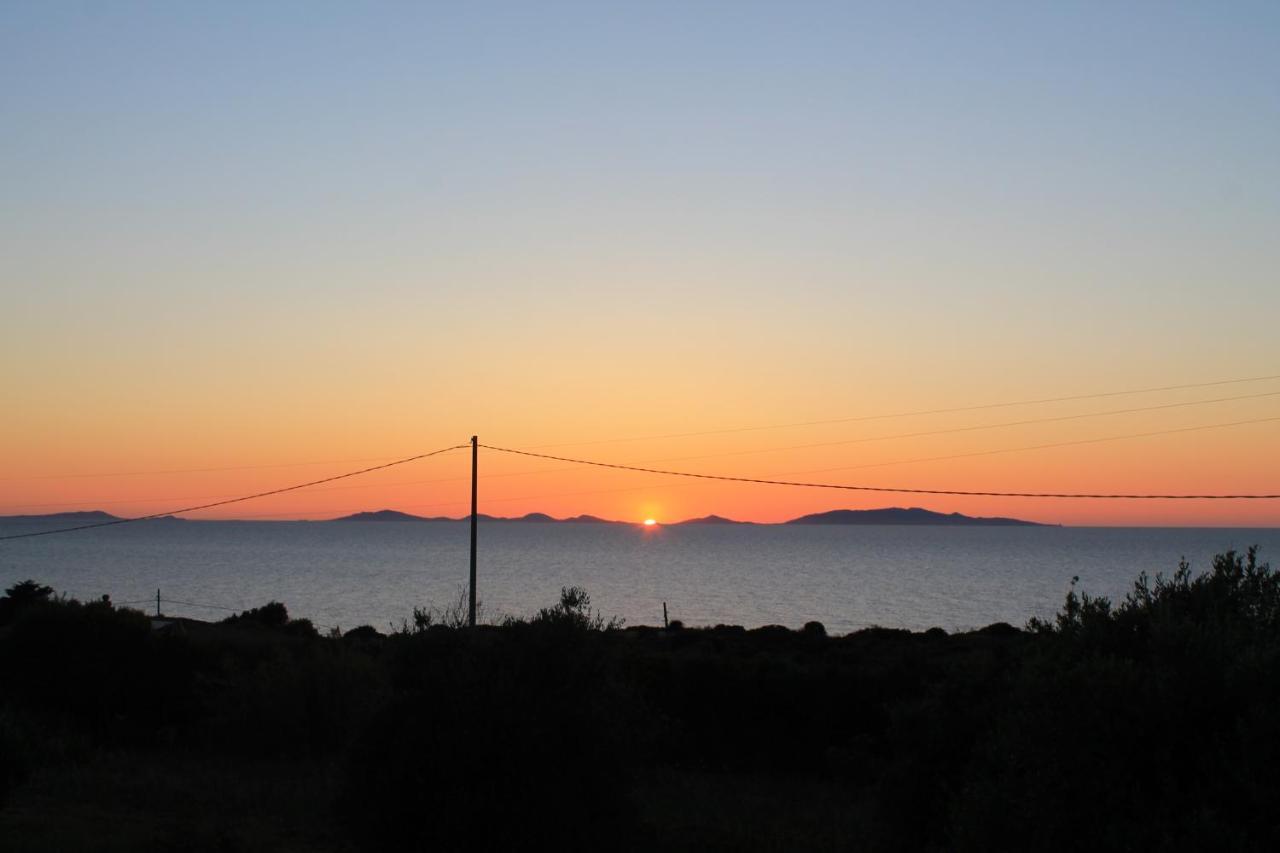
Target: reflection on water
[{"x": 845, "y": 577}]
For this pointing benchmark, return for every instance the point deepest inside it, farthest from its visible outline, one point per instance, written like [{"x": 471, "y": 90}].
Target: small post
[
  {"x": 665, "y": 623},
  {"x": 157, "y": 602},
  {"x": 471, "y": 597}
]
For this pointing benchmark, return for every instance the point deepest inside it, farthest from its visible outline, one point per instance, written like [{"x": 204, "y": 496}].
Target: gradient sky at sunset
[{"x": 311, "y": 235}]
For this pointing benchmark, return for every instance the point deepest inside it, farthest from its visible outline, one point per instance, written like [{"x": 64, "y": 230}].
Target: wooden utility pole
[
  {"x": 471, "y": 598},
  {"x": 157, "y": 602}
]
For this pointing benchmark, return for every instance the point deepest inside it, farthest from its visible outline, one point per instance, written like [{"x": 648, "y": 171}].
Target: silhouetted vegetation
[
  {"x": 20, "y": 597},
  {"x": 272, "y": 616},
  {"x": 573, "y": 612},
  {"x": 454, "y": 614},
  {"x": 1159, "y": 718},
  {"x": 1144, "y": 724}
]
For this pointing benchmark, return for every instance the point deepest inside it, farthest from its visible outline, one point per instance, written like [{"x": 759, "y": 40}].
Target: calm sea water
[{"x": 347, "y": 574}]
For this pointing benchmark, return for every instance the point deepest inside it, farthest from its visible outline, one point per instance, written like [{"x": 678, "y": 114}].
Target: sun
[{"x": 650, "y": 522}]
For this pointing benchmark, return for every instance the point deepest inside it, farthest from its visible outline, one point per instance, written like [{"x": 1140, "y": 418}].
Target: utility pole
[
  {"x": 471, "y": 599},
  {"x": 157, "y": 602}
]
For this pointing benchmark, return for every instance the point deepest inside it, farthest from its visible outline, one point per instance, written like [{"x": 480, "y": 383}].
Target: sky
[{"x": 287, "y": 240}]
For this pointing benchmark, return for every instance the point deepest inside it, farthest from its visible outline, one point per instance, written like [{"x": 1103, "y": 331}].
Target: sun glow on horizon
[{"x": 650, "y": 522}]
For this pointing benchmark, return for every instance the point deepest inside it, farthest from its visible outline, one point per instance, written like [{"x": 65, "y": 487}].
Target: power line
[
  {"x": 920, "y": 434},
  {"x": 862, "y": 440},
  {"x": 294, "y": 488},
  {"x": 547, "y": 496},
  {"x": 197, "y": 604},
  {"x": 1026, "y": 448},
  {"x": 194, "y": 470},
  {"x": 997, "y": 451},
  {"x": 292, "y": 515},
  {"x": 979, "y": 453},
  {"x": 715, "y": 432},
  {"x": 96, "y": 502},
  {"x": 979, "y": 427},
  {"x": 915, "y": 413},
  {"x": 743, "y": 452},
  {"x": 732, "y": 479},
  {"x": 958, "y": 492},
  {"x": 762, "y": 480}
]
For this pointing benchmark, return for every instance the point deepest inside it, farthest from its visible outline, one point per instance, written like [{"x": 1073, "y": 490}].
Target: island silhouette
[
  {"x": 885, "y": 515},
  {"x": 882, "y": 516}
]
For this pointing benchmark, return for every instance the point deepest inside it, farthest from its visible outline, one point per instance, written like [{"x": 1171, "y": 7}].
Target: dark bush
[
  {"x": 20, "y": 597},
  {"x": 273, "y": 614},
  {"x": 1157, "y": 719},
  {"x": 573, "y": 612},
  {"x": 363, "y": 633},
  {"x": 92, "y": 665}
]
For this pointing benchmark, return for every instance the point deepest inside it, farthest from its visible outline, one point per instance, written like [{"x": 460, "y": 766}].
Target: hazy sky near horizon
[{"x": 242, "y": 234}]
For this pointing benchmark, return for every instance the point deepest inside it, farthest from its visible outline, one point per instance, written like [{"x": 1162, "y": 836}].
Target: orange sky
[{"x": 137, "y": 466}]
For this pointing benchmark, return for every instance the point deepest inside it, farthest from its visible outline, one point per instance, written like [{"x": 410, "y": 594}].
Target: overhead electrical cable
[
  {"x": 1032, "y": 447},
  {"x": 109, "y": 474},
  {"x": 913, "y": 413},
  {"x": 894, "y": 489},
  {"x": 881, "y": 416},
  {"x": 294, "y": 488},
  {"x": 552, "y": 495},
  {"x": 975, "y": 428}
]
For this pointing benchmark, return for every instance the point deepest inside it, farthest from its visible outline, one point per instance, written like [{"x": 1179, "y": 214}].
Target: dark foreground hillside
[{"x": 1154, "y": 723}]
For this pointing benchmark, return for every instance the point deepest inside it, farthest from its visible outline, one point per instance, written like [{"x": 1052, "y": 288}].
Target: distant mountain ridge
[
  {"x": 713, "y": 519},
  {"x": 388, "y": 515},
  {"x": 87, "y": 516},
  {"x": 884, "y": 516},
  {"x": 909, "y": 516},
  {"x": 528, "y": 518}
]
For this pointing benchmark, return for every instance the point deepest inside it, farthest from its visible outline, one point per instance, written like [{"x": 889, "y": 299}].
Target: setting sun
[{"x": 650, "y": 522}]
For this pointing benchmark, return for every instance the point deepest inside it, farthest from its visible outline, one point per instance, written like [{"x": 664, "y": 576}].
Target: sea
[{"x": 346, "y": 574}]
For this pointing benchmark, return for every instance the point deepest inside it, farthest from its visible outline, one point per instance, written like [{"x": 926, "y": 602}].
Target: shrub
[
  {"x": 20, "y": 597},
  {"x": 90, "y": 664},
  {"x": 454, "y": 615},
  {"x": 1156, "y": 718},
  {"x": 363, "y": 633},
  {"x": 273, "y": 616},
  {"x": 573, "y": 611}
]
